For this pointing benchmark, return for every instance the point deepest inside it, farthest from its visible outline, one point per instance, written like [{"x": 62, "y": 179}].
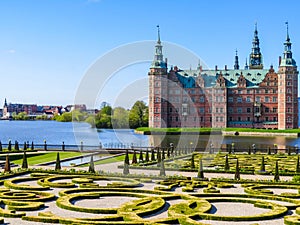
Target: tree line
[{"x": 107, "y": 117}]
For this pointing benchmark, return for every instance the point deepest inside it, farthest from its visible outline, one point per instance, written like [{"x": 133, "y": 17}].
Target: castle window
[
  {"x": 274, "y": 99},
  {"x": 288, "y": 99},
  {"x": 274, "y": 119},
  {"x": 239, "y": 91},
  {"x": 176, "y": 118},
  {"x": 288, "y": 90},
  {"x": 248, "y": 110},
  {"x": 217, "y": 110},
  {"x": 267, "y": 110},
  {"x": 274, "y": 110},
  {"x": 257, "y": 91},
  {"x": 230, "y": 110},
  {"x": 248, "y": 91},
  {"x": 239, "y": 99},
  {"x": 289, "y": 76},
  {"x": 267, "y": 99},
  {"x": 201, "y": 119},
  {"x": 257, "y": 99},
  {"x": 248, "y": 99},
  {"x": 221, "y": 110},
  {"x": 239, "y": 118},
  {"x": 239, "y": 110},
  {"x": 267, "y": 118},
  {"x": 266, "y": 90},
  {"x": 248, "y": 118},
  {"x": 157, "y": 99},
  {"x": 217, "y": 119},
  {"x": 230, "y": 99},
  {"x": 288, "y": 83},
  {"x": 221, "y": 118},
  {"x": 289, "y": 110},
  {"x": 274, "y": 91},
  {"x": 230, "y": 118},
  {"x": 201, "y": 99},
  {"x": 170, "y": 118},
  {"x": 170, "y": 109},
  {"x": 201, "y": 109}
]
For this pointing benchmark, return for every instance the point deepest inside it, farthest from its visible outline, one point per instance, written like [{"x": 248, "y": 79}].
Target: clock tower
[{"x": 255, "y": 59}]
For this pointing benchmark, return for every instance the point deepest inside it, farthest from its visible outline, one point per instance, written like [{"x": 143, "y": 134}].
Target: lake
[{"x": 73, "y": 133}]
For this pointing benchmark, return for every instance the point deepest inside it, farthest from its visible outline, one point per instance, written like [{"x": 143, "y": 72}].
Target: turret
[
  {"x": 236, "y": 61},
  {"x": 255, "y": 60}
]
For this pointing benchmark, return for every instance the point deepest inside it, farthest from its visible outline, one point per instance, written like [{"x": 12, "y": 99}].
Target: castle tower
[
  {"x": 158, "y": 88},
  {"x": 255, "y": 60},
  {"x": 287, "y": 88}
]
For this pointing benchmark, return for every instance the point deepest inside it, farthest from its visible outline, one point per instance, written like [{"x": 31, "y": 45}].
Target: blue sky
[{"x": 47, "y": 46}]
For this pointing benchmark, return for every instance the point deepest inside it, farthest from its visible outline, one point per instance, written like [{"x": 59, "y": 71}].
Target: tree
[
  {"x": 226, "y": 166},
  {"x": 57, "y": 164},
  {"x": 200, "y": 170},
  {"x": 92, "y": 165},
  {"x": 126, "y": 164},
  {"x": 17, "y": 146},
  {"x": 269, "y": 151},
  {"x": 276, "y": 173},
  {"x": 138, "y": 115},
  {"x": 162, "y": 171},
  {"x": 262, "y": 166},
  {"x": 237, "y": 171},
  {"x": 120, "y": 118},
  {"x": 24, "y": 162},
  {"x": 7, "y": 164},
  {"x": 1, "y": 146},
  {"x": 32, "y": 146},
  {"x": 25, "y": 146}
]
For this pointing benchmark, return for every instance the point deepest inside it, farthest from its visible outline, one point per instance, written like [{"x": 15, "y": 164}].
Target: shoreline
[{"x": 223, "y": 133}]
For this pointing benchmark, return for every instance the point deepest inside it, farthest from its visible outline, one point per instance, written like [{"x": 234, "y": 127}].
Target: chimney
[
  {"x": 216, "y": 68},
  {"x": 226, "y": 67},
  {"x": 279, "y": 60}
]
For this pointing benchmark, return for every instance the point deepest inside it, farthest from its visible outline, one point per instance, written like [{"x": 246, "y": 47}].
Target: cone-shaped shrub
[
  {"x": 32, "y": 146},
  {"x": 158, "y": 157},
  {"x": 134, "y": 159},
  {"x": 7, "y": 164},
  {"x": 57, "y": 164},
  {"x": 298, "y": 165},
  {"x": 163, "y": 157},
  {"x": 237, "y": 171},
  {"x": 1, "y": 147},
  {"x": 24, "y": 162},
  {"x": 200, "y": 170},
  {"x": 9, "y": 145},
  {"x": 262, "y": 165},
  {"x": 162, "y": 171},
  {"x": 193, "y": 161},
  {"x": 249, "y": 150},
  {"x": 126, "y": 164},
  {"x": 141, "y": 159},
  {"x": 289, "y": 151},
  {"x": 147, "y": 156},
  {"x": 168, "y": 152},
  {"x": 226, "y": 166},
  {"x": 17, "y": 146},
  {"x": 269, "y": 151},
  {"x": 276, "y": 173},
  {"x": 152, "y": 155},
  {"x": 92, "y": 165},
  {"x": 25, "y": 146}
]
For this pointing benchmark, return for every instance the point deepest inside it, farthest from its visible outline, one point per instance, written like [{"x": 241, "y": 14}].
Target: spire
[
  {"x": 287, "y": 31},
  {"x": 255, "y": 56},
  {"x": 158, "y": 57},
  {"x": 5, "y": 103},
  {"x": 236, "y": 61},
  {"x": 158, "y": 35},
  {"x": 287, "y": 54},
  {"x": 246, "y": 64}
]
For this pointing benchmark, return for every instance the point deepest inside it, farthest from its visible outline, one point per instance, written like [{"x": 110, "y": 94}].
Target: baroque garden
[{"x": 155, "y": 186}]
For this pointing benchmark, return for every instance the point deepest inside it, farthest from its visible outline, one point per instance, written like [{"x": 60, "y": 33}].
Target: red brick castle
[{"x": 251, "y": 97}]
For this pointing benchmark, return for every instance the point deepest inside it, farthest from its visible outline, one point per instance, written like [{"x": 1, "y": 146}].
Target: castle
[{"x": 252, "y": 97}]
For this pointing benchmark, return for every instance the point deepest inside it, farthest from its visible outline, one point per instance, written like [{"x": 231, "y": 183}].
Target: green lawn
[
  {"x": 38, "y": 158},
  {"x": 113, "y": 160}
]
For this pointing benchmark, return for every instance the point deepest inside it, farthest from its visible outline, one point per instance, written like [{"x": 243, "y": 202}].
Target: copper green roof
[{"x": 253, "y": 77}]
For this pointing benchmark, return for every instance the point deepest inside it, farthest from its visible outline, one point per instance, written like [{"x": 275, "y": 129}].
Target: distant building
[
  {"x": 251, "y": 97},
  {"x": 9, "y": 109}
]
